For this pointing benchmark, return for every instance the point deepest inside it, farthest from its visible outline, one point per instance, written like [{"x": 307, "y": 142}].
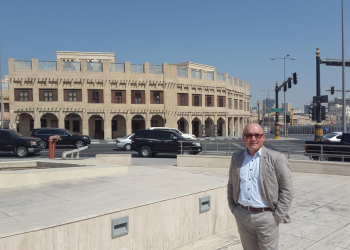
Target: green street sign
[{"x": 277, "y": 110}]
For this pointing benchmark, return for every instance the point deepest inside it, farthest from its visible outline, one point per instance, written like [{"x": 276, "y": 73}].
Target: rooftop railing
[
  {"x": 156, "y": 69},
  {"x": 209, "y": 75},
  {"x": 47, "y": 65},
  {"x": 221, "y": 77},
  {"x": 94, "y": 66},
  {"x": 71, "y": 66},
  {"x": 118, "y": 67},
  {"x": 23, "y": 65},
  {"x": 137, "y": 68},
  {"x": 182, "y": 72},
  {"x": 229, "y": 80},
  {"x": 196, "y": 74}
]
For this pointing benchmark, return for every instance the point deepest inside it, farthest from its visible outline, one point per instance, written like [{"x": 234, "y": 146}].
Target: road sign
[{"x": 277, "y": 110}]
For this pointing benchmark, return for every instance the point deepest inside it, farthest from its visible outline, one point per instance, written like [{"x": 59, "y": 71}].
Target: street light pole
[
  {"x": 284, "y": 79},
  {"x": 343, "y": 69}
]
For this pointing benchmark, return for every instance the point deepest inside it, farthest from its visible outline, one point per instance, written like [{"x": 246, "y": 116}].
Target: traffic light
[
  {"x": 289, "y": 83},
  {"x": 332, "y": 90},
  {"x": 295, "y": 78},
  {"x": 287, "y": 118},
  {"x": 285, "y": 87},
  {"x": 312, "y": 112},
  {"x": 277, "y": 116}
]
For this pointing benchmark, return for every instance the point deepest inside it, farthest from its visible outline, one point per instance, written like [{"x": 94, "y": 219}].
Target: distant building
[
  {"x": 288, "y": 106},
  {"x": 268, "y": 104}
]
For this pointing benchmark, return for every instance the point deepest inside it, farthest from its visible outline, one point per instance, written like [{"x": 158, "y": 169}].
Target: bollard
[{"x": 52, "y": 145}]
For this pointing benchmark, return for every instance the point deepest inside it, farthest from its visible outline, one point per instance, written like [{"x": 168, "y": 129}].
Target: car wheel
[
  {"x": 21, "y": 152},
  {"x": 127, "y": 147},
  {"x": 44, "y": 143},
  {"x": 186, "y": 151},
  {"x": 146, "y": 151},
  {"x": 79, "y": 144}
]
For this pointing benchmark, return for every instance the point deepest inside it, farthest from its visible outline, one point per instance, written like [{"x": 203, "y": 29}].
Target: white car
[
  {"x": 187, "y": 136},
  {"x": 124, "y": 143},
  {"x": 333, "y": 137}
]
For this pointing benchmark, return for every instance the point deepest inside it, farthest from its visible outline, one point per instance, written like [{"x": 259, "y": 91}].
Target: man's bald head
[{"x": 253, "y": 126}]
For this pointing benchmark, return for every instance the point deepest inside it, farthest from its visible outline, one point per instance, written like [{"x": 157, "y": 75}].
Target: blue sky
[{"x": 238, "y": 37}]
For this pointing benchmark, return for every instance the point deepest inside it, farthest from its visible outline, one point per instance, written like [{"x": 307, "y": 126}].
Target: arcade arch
[
  {"x": 96, "y": 127},
  {"x": 118, "y": 126}
]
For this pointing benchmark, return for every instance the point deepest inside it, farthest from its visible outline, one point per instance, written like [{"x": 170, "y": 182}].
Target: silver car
[{"x": 124, "y": 143}]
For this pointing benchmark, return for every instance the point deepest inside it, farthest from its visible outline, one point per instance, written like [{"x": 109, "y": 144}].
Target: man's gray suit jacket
[{"x": 275, "y": 182}]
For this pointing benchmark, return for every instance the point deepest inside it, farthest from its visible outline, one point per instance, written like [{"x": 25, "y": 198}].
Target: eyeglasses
[{"x": 250, "y": 136}]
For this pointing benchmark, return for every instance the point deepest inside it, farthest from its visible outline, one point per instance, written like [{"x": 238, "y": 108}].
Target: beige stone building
[
  {"x": 92, "y": 94},
  {"x": 4, "y": 86}
]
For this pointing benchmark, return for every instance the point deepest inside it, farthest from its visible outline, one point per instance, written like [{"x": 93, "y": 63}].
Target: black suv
[
  {"x": 22, "y": 146},
  {"x": 68, "y": 138},
  {"x": 150, "y": 142}
]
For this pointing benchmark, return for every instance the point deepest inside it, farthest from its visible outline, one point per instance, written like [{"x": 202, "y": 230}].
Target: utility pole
[
  {"x": 318, "y": 125},
  {"x": 277, "y": 125}
]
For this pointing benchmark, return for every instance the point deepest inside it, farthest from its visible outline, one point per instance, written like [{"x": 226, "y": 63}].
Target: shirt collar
[{"x": 256, "y": 154}]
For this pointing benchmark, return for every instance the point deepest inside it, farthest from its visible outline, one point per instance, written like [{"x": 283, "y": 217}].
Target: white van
[{"x": 187, "y": 136}]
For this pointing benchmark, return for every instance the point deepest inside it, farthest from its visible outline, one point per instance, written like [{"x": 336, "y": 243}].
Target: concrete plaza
[{"x": 320, "y": 210}]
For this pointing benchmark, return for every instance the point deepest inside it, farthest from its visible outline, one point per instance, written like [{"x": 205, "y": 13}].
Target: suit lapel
[{"x": 263, "y": 168}]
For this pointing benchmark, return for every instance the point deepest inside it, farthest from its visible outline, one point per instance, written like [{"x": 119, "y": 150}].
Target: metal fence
[
  {"x": 137, "y": 68},
  {"x": 71, "y": 66},
  {"x": 227, "y": 148},
  {"x": 47, "y": 65},
  {"x": 94, "y": 66},
  {"x": 23, "y": 65},
  {"x": 328, "y": 152},
  {"x": 156, "y": 69}
]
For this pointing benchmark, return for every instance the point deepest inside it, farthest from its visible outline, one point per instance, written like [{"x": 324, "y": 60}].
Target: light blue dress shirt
[{"x": 249, "y": 181}]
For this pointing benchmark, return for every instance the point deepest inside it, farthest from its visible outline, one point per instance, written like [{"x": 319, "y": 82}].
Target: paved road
[{"x": 211, "y": 147}]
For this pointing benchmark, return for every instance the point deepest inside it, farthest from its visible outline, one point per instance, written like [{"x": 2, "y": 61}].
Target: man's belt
[{"x": 255, "y": 209}]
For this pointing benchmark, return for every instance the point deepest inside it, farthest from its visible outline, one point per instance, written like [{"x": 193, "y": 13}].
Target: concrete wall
[
  {"x": 162, "y": 225},
  {"x": 316, "y": 167}
]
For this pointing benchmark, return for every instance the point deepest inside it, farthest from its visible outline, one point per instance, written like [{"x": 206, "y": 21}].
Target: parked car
[
  {"x": 333, "y": 137},
  {"x": 332, "y": 151},
  {"x": 22, "y": 146},
  {"x": 68, "y": 138},
  {"x": 124, "y": 142},
  {"x": 148, "y": 142},
  {"x": 187, "y": 136}
]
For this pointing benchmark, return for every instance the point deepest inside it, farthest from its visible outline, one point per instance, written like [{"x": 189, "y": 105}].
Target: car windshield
[
  {"x": 329, "y": 136},
  {"x": 69, "y": 132},
  {"x": 125, "y": 137},
  {"x": 15, "y": 134}
]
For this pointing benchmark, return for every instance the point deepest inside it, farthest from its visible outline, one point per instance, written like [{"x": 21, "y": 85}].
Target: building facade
[
  {"x": 4, "y": 103},
  {"x": 90, "y": 93}
]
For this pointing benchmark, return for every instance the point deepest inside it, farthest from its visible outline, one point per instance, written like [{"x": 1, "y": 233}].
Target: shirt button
[
  {"x": 250, "y": 170},
  {"x": 248, "y": 188},
  {"x": 249, "y": 199},
  {"x": 249, "y": 179}
]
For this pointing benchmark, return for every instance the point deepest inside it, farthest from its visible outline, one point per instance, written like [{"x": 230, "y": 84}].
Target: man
[{"x": 259, "y": 191}]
